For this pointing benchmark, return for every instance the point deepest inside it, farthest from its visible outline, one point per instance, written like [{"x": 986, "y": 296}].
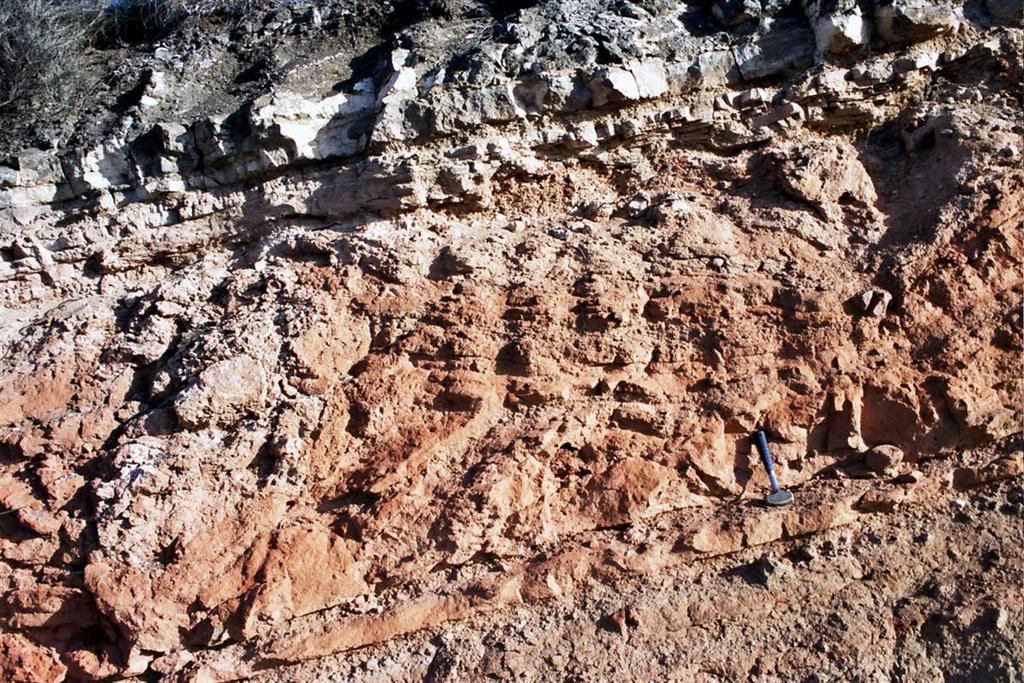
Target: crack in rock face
[{"x": 481, "y": 317}]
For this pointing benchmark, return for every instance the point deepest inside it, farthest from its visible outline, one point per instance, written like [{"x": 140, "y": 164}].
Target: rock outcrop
[{"x": 330, "y": 367}]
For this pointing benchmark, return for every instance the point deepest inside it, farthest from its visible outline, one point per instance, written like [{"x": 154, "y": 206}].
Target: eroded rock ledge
[{"x": 491, "y": 324}]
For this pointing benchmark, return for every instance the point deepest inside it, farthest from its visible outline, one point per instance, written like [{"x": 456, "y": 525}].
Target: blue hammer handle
[{"x": 766, "y": 458}]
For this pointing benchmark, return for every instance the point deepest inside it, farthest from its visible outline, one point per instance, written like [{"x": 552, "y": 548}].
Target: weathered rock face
[{"x": 302, "y": 377}]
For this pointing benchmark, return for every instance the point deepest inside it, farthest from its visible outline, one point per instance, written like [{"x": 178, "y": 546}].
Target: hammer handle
[{"x": 766, "y": 458}]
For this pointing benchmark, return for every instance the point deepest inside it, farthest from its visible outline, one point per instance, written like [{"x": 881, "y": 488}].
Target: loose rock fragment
[
  {"x": 875, "y": 302},
  {"x": 884, "y": 459}
]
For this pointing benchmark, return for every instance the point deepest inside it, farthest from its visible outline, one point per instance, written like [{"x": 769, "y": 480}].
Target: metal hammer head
[{"x": 779, "y": 498}]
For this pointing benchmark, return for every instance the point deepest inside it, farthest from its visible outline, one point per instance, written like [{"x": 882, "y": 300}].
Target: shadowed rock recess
[{"x": 478, "y": 316}]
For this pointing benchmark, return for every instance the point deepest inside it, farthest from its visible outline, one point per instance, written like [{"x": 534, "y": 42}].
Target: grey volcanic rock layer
[{"x": 483, "y": 319}]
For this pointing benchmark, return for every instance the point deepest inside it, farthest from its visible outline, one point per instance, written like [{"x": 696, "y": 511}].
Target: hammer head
[{"x": 779, "y": 498}]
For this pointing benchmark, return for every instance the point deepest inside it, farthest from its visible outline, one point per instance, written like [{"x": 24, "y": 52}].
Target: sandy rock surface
[{"x": 444, "y": 363}]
